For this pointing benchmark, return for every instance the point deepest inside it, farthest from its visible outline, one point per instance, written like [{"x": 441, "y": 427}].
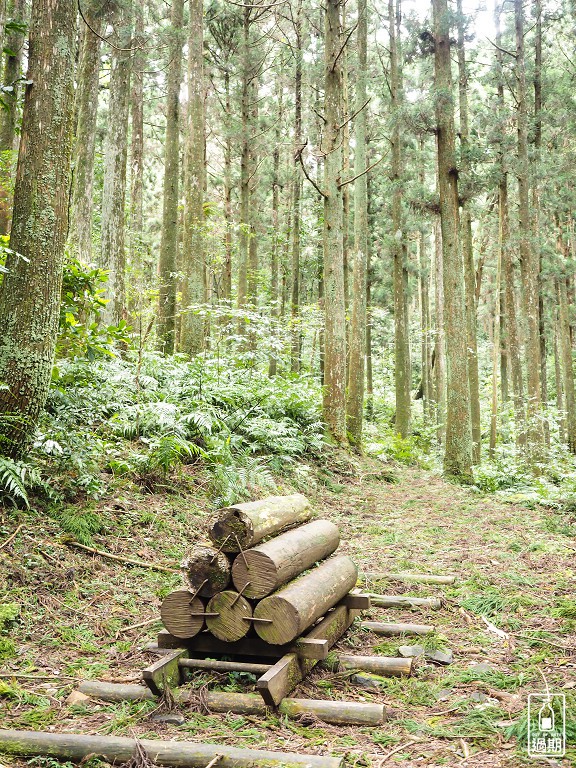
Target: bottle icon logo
[
  {"x": 546, "y": 725},
  {"x": 546, "y": 717}
]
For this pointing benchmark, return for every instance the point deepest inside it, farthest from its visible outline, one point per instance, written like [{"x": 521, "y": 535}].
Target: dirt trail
[{"x": 515, "y": 567}]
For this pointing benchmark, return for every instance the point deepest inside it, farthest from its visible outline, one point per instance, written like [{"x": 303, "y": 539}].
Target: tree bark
[
  {"x": 357, "y": 354},
  {"x": 137, "y": 142},
  {"x": 264, "y": 568},
  {"x": 243, "y": 525},
  {"x": 458, "y": 448},
  {"x": 30, "y": 290},
  {"x": 206, "y": 570},
  {"x": 567, "y": 364},
  {"x": 440, "y": 349},
  {"x": 334, "y": 391},
  {"x": 193, "y": 261},
  {"x": 115, "y": 158},
  {"x": 296, "y": 333},
  {"x": 169, "y": 240},
  {"x": 295, "y": 607}
]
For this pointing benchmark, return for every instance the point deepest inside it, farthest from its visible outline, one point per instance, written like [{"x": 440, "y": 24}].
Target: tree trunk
[
  {"x": 355, "y": 402},
  {"x": 176, "y": 613},
  {"x": 193, "y": 262},
  {"x": 206, "y": 570},
  {"x": 264, "y": 568},
  {"x": 529, "y": 259},
  {"x": 9, "y": 113},
  {"x": 378, "y": 665},
  {"x": 334, "y": 390},
  {"x": 296, "y": 607},
  {"x": 337, "y": 712},
  {"x": 467, "y": 250},
  {"x": 274, "y": 262},
  {"x": 169, "y": 241},
  {"x": 391, "y": 630},
  {"x": 458, "y": 449},
  {"x": 440, "y": 349},
  {"x": 426, "y": 358},
  {"x": 227, "y": 271},
  {"x": 401, "y": 331},
  {"x": 243, "y": 525},
  {"x": 558, "y": 379},
  {"x": 30, "y": 290},
  {"x": 137, "y": 139},
  {"x": 296, "y": 204},
  {"x": 567, "y": 364},
  {"x": 228, "y": 616},
  {"x": 115, "y": 157},
  {"x": 80, "y": 236}
]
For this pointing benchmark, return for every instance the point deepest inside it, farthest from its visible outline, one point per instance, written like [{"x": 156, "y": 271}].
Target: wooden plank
[
  {"x": 290, "y": 670},
  {"x": 357, "y": 601},
  {"x": 164, "y": 673},
  {"x": 311, "y": 648},
  {"x": 305, "y": 647},
  {"x": 224, "y": 666}
]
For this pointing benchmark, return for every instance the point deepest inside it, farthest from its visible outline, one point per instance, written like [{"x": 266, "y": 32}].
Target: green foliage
[{"x": 17, "y": 478}]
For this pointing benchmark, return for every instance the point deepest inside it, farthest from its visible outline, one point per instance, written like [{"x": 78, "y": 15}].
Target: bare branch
[{"x": 349, "y": 181}]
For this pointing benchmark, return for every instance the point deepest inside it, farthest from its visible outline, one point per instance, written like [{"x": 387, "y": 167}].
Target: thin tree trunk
[
  {"x": 334, "y": 390},
  {"x": 193, "y": 262},
  {"x": 80, "y": 235},
  {"x": 458, "y": 449},
  {"x": 558, "y": 379},
  {"x": 246, "y": 131},
  {"x": 227, "y": 270},
  {"x": 567, "y": 364},
  {"x": 467, "y": 250},
  {"x": 424, "y": 264},
  {"x": 137, "y": 139},
  {"x": 274, "y": 271},
  {"x": 495, "y": 358},
  {"x": 529, "y": 259},
  {"x": 440, "y": 356},
  {"x": 115, "y": 157},
  {"x": 401, "y": 337},
  {"x": 30, "y": 290},
  {"x": 296, "y": 228},
  {"x": 355, "y": 402},
  {"x": 254, "y": 218},
  {"x": 170, "y": 240},
  {"x": 9, "y": 114}
]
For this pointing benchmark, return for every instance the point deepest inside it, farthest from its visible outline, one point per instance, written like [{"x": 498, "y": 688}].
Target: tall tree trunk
[
  {"x": 401, "y": 328},
  {"x": 355, "y": 403},
  {"x": 193, "y": 262},
  {"x": 169, "y": 241},
  {"x": 115, "y": 157},
  {"x": 246, "y": 132},
  {"x": 334, "y": 391},
  {"x": 80, "y": 235},
  {"x": 458, "y": 449},
  {"x": 9, "y": 114},
  {"x": 506, "y": 258},
  {"x": 424, "y": 265},
  {"x": 529, "y": 259},
  {"x": 30, "y": 290},
  {"x": 254, "y": 217},
  {"x": 467, "y": 250},
  {"x": 440, "y": 350},
  {"x": 558, "y": 379},
  {"x": 137, "y": 140},
  {"x": 227, "y": 270},
  {"x": 297, "y": 182},
  {"x": 567, "y": 364}
]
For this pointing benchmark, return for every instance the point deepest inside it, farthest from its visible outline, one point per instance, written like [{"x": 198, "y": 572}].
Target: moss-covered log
[
  {"x": 206, "y": 571},
  {"x": 336, "y": 712},
  {"x": 262, "y": 569},
  {"x": 296, "y": 606},
  {"x": 227, "y": 616},
  {"x": 404, "y": 601},
  {"x": 243, "y": 525},
  {"x": 386, "y": 666},
  {"x": 183, "y": 754},
  {"x": 182, "y": 614},
  {"x": 382, "y": 628}
]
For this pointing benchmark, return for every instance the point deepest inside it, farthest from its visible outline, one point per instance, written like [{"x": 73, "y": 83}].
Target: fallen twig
[
  {"x": 12, "y": 536},
  {"x": 388, "y": 755},
  {"x": 146, "y": 623},
  {"x": 127, "y": 560}
]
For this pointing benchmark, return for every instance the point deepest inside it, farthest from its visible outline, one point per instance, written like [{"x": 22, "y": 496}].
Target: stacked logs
[{"x": 255, "y": 577}]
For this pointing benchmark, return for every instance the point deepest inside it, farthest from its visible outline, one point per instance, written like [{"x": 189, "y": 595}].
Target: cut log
[
  {"x": 411, "y": 578},
  {"x": 380, "y": 628},
  {"x": 206, "y": 571},
  {"x": 181, "y": 754},
  {"x": 296, "y": 606},
  {"x": 182, "y": 614},
  {"x": 404, "y": 601},
  {"x": 225, "y": 666},
  {"x": 285, "y": 675},
  {"x": 262, "y": 569},
  {"x": 164, "y": 673},
  {"x": 386, "y": 666},
  {"x": 232, "y": 611},
  {"x": 305, "y": 647},
  {"x": 243, "y": 525},
  {"x": 335, "y": 712}
]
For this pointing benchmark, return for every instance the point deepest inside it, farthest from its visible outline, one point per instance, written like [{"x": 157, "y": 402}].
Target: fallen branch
[
  {"x": 12, "y": 537},
  {"x": 388, "y": 755},
  {"x": 126, "y": 560},
  {"x": 154, "y": 620}
]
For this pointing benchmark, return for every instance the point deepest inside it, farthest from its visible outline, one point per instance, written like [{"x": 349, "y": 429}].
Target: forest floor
[{"x": 69, "y": 616}]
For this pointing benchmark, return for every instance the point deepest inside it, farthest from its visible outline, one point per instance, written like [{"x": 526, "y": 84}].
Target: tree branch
[{"x": 349, "y": 181}]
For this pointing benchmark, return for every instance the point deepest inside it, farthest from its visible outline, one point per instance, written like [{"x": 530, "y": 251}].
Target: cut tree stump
[
  {"x": 335, "y": 712},
  {"x": 296, "y": 606},
  {"x": 227, "y": 614},
  {"x": 386, "y": 666},
  {"x": 389, "y": 630},
  {"x": 243, "y": 525},
  {"x": 180, "y": 754},
  {"x": 262, "y": 569},
  {"x": 411, "y": 578},
  {"x": 404, "y": 601},
  {"x": 182, "y": 614},
  {"x": 206, "y": 571}
]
